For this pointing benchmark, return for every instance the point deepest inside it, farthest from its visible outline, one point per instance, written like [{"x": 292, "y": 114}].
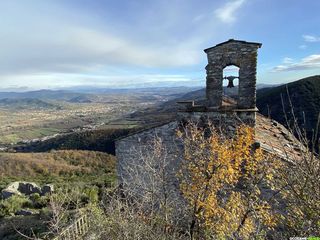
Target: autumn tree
[{"x": 223, "y": 179}]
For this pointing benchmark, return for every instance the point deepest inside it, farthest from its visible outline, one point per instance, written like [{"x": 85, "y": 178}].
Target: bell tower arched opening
[
  {"x": 230, "y": 85},
  {"x": 231, "y": 71},
  {"x": 233, "y": 52}
]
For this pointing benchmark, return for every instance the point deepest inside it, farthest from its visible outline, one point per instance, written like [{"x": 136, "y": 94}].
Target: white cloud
[
  {"x": 287, "y": 60},
  {"x": 42, "y": 42},
  {"x": 227, "y": 12},
  {"x": 39, "y": 40},
  {"x": 198, "y": 18},
  {"x": 311, "y": 38},
  {"x": 74, "y": 49},
  {"x": 303, "y": 46},
  {"x": 309, "y": 62},
  {"x": 61, "y": 80}
]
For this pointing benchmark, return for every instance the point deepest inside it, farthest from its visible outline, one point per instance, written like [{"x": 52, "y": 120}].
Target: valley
[
  {"x": 68, "y": 141},
  {"x": 27, "y": 118}
]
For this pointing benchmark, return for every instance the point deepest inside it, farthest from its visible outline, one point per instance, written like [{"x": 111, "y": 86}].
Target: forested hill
[
  {"x": 304, "y": 95},
  {"x": 26, "y": 103}
]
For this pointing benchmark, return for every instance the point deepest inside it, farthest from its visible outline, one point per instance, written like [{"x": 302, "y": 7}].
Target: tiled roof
[{"x": 275, "y": 138}]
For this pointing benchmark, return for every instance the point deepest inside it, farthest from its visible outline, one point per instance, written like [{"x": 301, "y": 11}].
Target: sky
[{"x": 142, "y": 43}]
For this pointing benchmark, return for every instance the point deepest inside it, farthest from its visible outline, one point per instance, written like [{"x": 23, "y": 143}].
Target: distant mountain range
[
  {"x": 40, "y": 94},
  {"x": 91, "y": 91},
  {"x": 80, "y": 99},
  {"x": 26, "y": 103},
  {"x": 304, "y": 94}
]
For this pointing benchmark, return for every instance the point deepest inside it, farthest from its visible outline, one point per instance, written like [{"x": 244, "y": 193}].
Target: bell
[
  {"x": 230, "y": 79},
  {"x": 230, "y": 84}
]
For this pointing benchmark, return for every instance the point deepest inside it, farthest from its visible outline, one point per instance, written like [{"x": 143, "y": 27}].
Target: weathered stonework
[
  {"x": 233, "y": 52},
  {"x": 225, "y": 119},
  {"x": 137, "y": 163},
  {"x": 132, "y": 151},
  {"x": 129, "y": 148}
]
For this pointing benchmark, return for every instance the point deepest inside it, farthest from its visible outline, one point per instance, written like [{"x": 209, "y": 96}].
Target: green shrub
[
  {"x": 13, "y": 204},
  {"x": 38, "y": 201},
  {"x": 93, "y": 194}
]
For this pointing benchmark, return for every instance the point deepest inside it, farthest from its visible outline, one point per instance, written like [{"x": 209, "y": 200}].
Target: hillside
[
  {"x": 78, "y": 178},
  {"x": 167, "y": 110},
  {"x": 26, "y": 103},
  {"x": 305, "y": 97},
  {"x": 103, "y": 139},
  {"x": 41, "y": 94},
  {"x": 80, "y": 99},
  {"x": 57, "y": 166},
  {"x": 96, "y": 140}
]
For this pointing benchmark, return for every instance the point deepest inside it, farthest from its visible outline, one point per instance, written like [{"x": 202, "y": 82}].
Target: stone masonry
[
  {"x": 233, "y": 52},
  {"x": 133, "y": 149}
]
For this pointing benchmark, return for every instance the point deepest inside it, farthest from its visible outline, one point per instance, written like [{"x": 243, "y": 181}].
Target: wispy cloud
[
  {"x": 56, "y": 44},
  {"x": 309, "y": 62},
  {"x": 74, "y": 49},
  {"x": 198, "y": 18},
  {"x": 311, "y": 38},
  {"x": 61, "y": 80},
  {"x": 303, "y": 46},
  {"x": 287, "y": 60},
  {"x": 226, "y": 13}
]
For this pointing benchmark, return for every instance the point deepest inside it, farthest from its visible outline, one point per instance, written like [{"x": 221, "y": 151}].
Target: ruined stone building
[{"x": 132, "y": 150}]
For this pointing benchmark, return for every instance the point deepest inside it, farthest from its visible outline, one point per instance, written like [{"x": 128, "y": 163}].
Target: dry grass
[{"x": 55, "y": 163}]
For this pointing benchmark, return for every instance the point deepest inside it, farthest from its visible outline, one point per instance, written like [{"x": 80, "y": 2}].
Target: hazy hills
[
  {"x": 26, "y": 103},
  {"x": 91, "y": 91},
  {"x": 80, "y": 99},
  {"x": 305, "y": 96},
  {"x": 40, "y": 94}
]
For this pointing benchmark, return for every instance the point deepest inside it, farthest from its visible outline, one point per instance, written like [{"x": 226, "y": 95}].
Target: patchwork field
[{"x": 24, "y": 120}]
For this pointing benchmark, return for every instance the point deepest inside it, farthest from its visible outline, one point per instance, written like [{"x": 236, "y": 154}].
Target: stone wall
[
  {"x": 129, "y": 149},
  {"x": 148, "y": 171},
  {"x": 222, "y": 119},
  {"x": 241, "y": 54},
  {"x": 133, "y": 150}
]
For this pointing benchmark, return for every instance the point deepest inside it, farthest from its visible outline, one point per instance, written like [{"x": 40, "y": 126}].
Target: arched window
[{"x": 231, "y": 85}]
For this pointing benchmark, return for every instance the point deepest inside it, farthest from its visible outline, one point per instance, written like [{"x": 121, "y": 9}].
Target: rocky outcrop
[
  {"x": 48, "y": 188},
  {"x": 24, "y": 212},
  {"x": 26, "y": 188}
]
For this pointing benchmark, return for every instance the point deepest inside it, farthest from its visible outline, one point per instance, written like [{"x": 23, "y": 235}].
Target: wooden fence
[{"x": 76, "y": 230}]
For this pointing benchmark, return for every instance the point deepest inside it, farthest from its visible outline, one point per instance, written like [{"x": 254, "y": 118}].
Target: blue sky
[{"x": 136, "y": 43}]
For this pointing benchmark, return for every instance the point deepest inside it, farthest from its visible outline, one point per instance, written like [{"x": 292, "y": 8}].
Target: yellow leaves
[{"x": 212, "y": 169}]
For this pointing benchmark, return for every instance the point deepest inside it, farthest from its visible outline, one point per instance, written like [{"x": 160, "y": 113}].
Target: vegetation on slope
[
  {"x": 97, "y": 140},
  {"x": 58, "y": 167},
  {"x": 300, "y": 98},
  {"x": 26, "y": 103},
  {"x": 235, "y": 192}
]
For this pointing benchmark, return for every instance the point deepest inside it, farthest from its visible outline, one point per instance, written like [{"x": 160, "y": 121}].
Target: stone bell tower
[
  {"x": 243, "y": 55},
  {"x": 233, "y": 52}
]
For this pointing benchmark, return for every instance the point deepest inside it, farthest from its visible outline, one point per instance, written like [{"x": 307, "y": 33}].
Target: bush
[
  {"x": 38, "y": 201},
  {"x": 13, "y": 204},
  {"x": 93, "y": 194}
]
